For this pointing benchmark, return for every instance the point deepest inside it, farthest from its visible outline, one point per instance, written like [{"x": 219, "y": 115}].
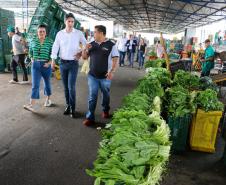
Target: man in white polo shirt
[{"x": 67, "y": 43}]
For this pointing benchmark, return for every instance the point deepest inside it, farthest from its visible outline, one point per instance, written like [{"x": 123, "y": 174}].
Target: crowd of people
[
  {"x": 135, "y": 48},
  {"x": 69, "y": 46}
]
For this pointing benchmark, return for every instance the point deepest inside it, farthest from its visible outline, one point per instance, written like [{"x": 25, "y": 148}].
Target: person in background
[
  {"x": 67, "y": 43},
  {"x": 121, "y": 46},
  {"x": 159, "y": 50},
  {"x": 39, "y": 52},
  {"x": 138, "y": 44},
  {"x": 216, "y": 37},
  {"x": 208, "y": 61},
  {"x": 103, "y": 55},
  {"x": 131, "y": 49},
  {"x": 18, "y": 58},
  {"x": 17, "y": 31},
  {"x": 142, "y": 52},
  {"x": 24, "y": 34}
]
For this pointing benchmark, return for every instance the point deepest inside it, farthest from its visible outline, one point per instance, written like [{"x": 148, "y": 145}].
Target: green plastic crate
[
  {"x": 47, "y": 11},
  {"x": 60, "y": 14},
  {"x": 52, "y": 33},
  {"x": 77, "y": 25},
  {"x": 8, "y": 59},
  {"x": 62, "y": 26},
  {"x": 224, "y": 156},
  {"x": 179, "y": 128},
  {"x": 54, "y": 24},
  {"x": 36, "y": 20},
  {"x": 45, "y": 3},
  {"x": 2, "y": 64}
]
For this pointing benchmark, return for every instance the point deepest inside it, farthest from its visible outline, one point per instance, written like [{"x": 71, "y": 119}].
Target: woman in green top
[{"x": 40, "y": 51}]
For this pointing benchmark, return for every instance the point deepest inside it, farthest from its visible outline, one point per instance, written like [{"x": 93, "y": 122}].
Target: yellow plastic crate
[{"x": 204, "y": 130}]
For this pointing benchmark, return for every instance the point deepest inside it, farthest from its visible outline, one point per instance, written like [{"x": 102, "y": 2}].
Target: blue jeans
[
  {"x": 131, "y": 58},
  {"x": 141, "y": 58},
  {"x": 69, "y": 72},
  {"x": 37, "y": 71},
  {"x": 94, "y": 85},
  {"x": 121, "y": 57}
]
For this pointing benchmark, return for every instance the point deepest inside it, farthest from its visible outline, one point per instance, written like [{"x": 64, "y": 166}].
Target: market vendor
[{"x": 208, "y": 61}]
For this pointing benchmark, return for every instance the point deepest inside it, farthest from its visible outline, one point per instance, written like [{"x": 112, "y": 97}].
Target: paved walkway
[{"x": 49, "y": 148}]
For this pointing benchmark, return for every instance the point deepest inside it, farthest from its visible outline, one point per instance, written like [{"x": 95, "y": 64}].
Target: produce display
[
  {"x": 134, "y": 150},
  {"x": 136, "y": 145},
  {"x": 186, "y": 80},
  {"x": 152, "y": 54},
  {"x": 155, "y": 63},
  {"x": 162, "y": 74},
  {"x": 151, "y": 86},
  {"x": 136, "y": 101},
  {"x": 179, "y": 101},
  {"x": 208, "y": 101}
]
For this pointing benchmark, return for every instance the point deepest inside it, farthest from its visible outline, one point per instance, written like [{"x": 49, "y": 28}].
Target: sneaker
[
  {"x": 48, "y": 103},
  {"x": 88, "y": 122},
  {"x": 24, "y": 82},
  {"x": 13, "y": 82},
  {"x": 29, "y": 107},
  {"x": 105, "y": 115}
]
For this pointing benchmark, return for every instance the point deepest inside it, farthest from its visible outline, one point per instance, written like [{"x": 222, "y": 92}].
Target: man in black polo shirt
[{"x": 103, "y": 62}]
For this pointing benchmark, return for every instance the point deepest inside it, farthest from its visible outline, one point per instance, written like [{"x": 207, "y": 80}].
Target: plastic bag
[{"x": 85, "y": 66}]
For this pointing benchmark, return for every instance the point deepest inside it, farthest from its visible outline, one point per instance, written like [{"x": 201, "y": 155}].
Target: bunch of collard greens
[
  {"x": 186, "y": 80},
  {"x": 179, "y": 101},
  {"x": 162, "y": 74},
  {"x": 134, "y": 149},
  {"x": 155, "y": 63},
  {"x": 153, "y": 54},
  {"x": 208, "y": 101},
  {"x": 150, "y": 86},
  {"x": 136, "y": 101}
]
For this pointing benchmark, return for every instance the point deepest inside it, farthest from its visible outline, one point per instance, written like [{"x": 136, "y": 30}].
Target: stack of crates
[
  {"x": 2, "y": 63},
  {"x": 50, "y": 14},
  {"x": 7, "y": 18}
]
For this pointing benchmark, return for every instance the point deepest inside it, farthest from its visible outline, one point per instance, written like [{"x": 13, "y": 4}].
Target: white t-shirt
[
  {"x": 121, "y": 44},
  {"x": 131, "y": 44},
  {"x": 18, "y": 47}
]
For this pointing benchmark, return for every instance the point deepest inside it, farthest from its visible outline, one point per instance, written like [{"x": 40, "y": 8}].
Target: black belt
[{"x": 67, "y": 61}]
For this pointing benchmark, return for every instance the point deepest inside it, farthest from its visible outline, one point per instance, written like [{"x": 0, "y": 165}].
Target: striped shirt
[{"x": 40, "y": 51}]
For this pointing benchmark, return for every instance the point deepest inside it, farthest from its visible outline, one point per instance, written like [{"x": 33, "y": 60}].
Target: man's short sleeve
[{"x": 114, "y": 52}]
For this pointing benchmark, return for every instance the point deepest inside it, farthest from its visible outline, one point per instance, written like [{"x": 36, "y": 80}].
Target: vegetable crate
[
  {"x": 179, "y": 128},
  {"x": 223, "y": 125},
  {"x": 175, "y": 66},
  {"x": 2, "y": 64},
  {"x": 204, "y": 130}
]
